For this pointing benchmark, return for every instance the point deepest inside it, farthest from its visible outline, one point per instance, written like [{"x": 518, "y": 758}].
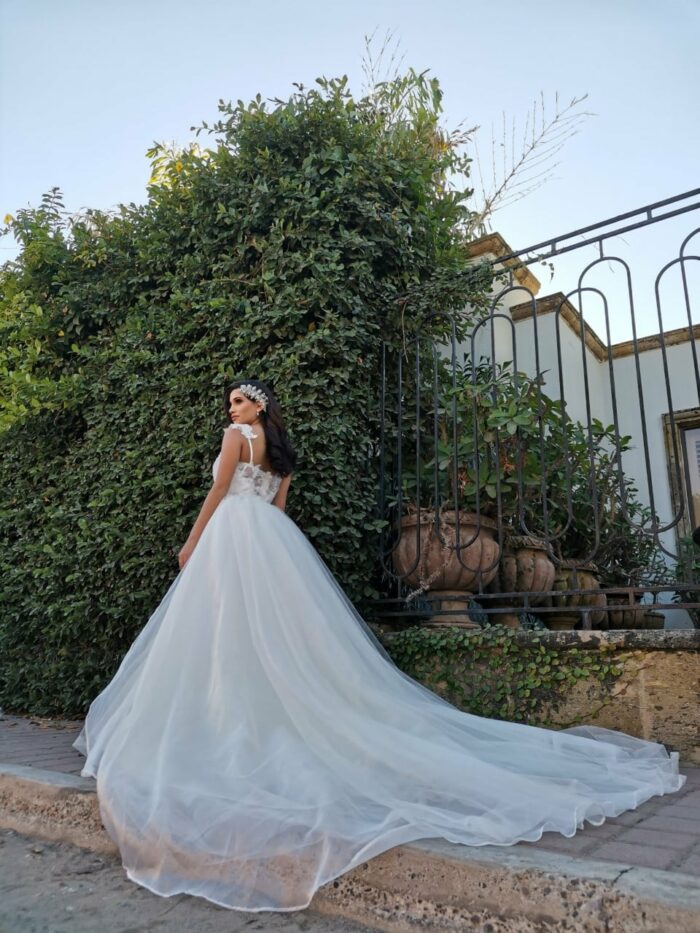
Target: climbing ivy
[{"x": 494, "y": 672}]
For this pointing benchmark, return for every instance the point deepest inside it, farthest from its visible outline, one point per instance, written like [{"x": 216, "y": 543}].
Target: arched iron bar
[
  {"x": 686, "y": 296},
  {"x": 565, "y": 421},
  {"x": 544, "y": 535},
  {"x": 488, "y": 319},
  {"x": 387, "y": 552},
  {"x": 522, "y": 523},
  {"x": 398, "y": 486},
  {"x": 494, "y": 396},
  {"x": 656, "y": 527},
  {"x": 381, "y": 505},
  {"x": 459, "y": 545},
  {"x": 523, "y": 257},
  {"x": 611, "y": 372},
  {"x": 589, "y": 430},
  {"x": 417, "y": 379},
  {"x": 679, "y": 260},
  {"x": 555, "y": 250}
]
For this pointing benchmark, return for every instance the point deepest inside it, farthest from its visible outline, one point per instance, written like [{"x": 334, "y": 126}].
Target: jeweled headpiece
[{"x": 254, "y": 394}]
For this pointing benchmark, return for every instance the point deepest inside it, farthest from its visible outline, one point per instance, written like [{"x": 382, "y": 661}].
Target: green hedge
[{"x": 277, "y": 254}]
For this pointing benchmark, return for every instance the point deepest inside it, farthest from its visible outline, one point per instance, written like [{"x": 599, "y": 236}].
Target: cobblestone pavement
[
  {"x": 53, "y": 887},
  {"x": 663, "y": 833}
]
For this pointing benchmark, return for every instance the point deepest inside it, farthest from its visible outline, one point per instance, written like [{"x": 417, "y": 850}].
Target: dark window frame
[{"x": 684, "y": 420}]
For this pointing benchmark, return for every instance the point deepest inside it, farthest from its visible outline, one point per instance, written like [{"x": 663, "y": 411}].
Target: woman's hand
[{"x": 185, "y": 553}]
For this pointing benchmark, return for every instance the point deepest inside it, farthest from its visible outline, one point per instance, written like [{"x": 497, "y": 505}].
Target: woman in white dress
[{"x": 257, "y": 741}]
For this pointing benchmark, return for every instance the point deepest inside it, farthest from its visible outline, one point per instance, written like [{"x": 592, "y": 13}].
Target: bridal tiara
[{"x": 254, "y": 394}]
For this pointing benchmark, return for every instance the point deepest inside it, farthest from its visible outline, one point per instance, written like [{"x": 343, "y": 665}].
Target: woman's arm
[
  {"x": 280, "y": 499},
  {"x": 230, "y": 455}
]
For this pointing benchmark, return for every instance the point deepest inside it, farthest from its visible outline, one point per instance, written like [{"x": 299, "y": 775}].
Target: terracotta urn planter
[
  {"x": 654, "y": 620},
  {"x": 621, "y": 614},
  {"x": 573, "y": 575},
  {"x": 524, "y": 567},
  {"x": 424, "y": 562}
]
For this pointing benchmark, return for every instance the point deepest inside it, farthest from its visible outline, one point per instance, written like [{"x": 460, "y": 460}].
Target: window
[
  {"x": 691, "y": 437},
  {"x": 684, "y": 466}
]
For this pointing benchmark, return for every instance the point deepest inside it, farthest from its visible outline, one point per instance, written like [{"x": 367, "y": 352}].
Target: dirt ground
[{"x": 52, "y": 887}]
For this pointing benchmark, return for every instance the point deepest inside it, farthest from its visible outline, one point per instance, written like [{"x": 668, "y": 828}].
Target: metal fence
[{"x": 541, "y": 471}]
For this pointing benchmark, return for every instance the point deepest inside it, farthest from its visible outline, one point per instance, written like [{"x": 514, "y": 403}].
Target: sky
[{"x": 87, "y": 86}]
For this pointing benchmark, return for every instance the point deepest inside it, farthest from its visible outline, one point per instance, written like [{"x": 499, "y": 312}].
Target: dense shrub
[{"x": 277, "y": 254}]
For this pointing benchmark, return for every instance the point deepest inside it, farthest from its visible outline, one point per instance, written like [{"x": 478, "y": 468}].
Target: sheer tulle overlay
[{"x": 257, "y": 742}]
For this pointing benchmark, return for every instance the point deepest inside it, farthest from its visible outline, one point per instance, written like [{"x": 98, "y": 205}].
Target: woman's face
[{"x": 242, "y": 409}]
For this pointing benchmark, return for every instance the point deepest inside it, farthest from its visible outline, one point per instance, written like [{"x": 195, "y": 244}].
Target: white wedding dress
[{"x": 257, "y": 741}]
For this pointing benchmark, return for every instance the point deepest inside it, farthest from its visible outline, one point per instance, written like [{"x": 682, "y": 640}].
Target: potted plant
[
  {"x": 455, "y": 498},
  {"x": 630, "y": 558},
  {"x": 526, "y": 569},
  {"x": 601, "y": 533}
]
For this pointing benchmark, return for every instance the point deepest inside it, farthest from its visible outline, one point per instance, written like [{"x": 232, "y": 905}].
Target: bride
[{"x": 257, "y": 741}]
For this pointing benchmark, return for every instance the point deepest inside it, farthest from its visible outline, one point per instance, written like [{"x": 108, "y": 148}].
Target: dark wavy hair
[{"x": 280, "y": 452}]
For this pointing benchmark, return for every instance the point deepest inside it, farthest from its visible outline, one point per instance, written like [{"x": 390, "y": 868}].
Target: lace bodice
[{"x": 248, "y": 478}]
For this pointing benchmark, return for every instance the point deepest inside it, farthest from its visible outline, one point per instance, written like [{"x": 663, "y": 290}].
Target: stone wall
[{"x": 656, "y": 697}]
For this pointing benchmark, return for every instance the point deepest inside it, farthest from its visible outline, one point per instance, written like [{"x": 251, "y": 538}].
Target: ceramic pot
[
  {"x": 524, "y": 567},
  {"x": 573, "y": 575},
  {"x": 654, "y": 620},
  {"x": 450, "y": 574},
  {"x": 623, "y": 615}
]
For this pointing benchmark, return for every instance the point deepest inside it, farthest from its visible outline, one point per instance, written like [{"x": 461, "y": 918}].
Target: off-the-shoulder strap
[{"x": 248, "y": 433}]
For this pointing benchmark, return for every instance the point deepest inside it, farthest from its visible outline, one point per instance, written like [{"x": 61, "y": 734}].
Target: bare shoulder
[
  {"x": 232, "y": 434},
  {"x": 239, "y": 431},
  {"x": 232, "y": 440}
]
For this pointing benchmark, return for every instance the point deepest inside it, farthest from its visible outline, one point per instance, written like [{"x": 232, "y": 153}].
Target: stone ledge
[
  {"x": 430, "y": 884},
  {"x": 632, "y": 639}
]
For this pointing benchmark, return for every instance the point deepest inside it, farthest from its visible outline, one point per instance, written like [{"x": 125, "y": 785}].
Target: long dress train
[{"x": 257, "y": 742}]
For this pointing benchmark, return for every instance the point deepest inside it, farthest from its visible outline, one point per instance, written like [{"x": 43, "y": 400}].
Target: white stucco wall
[
  {"x": 504, "y": 332},
  {"x": 684, "y": 395},
  {"x": 579, "y": 365}
]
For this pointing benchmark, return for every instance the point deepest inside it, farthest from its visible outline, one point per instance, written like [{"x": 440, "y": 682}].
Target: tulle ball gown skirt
[{"x": 257, "y": 742}]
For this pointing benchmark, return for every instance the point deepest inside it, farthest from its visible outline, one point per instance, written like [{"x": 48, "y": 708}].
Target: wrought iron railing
[{"x": 539, "y": 472}]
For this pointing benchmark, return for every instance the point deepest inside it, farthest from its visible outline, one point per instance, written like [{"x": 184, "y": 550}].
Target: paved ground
[
  {"x": 40, "y": 743},
  {"x": 52, "y": 887},
  {"x": 663, "y": 833}
]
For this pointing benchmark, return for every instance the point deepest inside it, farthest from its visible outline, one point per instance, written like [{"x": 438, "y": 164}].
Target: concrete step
[{"x": 431, "y": 884}]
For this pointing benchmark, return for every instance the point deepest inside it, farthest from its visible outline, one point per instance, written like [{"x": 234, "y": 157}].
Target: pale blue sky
[{"x": 86, "y": 86}]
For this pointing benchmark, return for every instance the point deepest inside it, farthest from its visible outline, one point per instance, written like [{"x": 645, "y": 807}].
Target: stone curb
[
  {"x": 429, "y": 884},
  {"x": 55, "y": 806}
]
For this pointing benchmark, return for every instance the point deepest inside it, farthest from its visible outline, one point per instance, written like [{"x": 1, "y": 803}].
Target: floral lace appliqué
[{"x": 248, "y": 478}]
